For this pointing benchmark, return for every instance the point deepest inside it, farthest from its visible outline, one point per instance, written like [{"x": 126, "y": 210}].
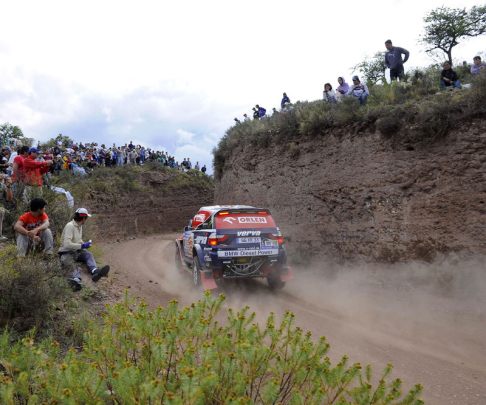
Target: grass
[
  {"x": 114, "y": 181},
  {"x": 415, "y": 110}
]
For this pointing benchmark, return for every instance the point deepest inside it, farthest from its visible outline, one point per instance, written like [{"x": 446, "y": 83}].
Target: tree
[
  {"x": 444, "y": 27},
  {"x": 372, "y": 69},
  {"x": 8, "y": 132}
]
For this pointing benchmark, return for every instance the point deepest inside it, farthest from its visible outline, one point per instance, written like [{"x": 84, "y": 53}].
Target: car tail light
[
  {"x": 223, "y": 213},
  {"x": 215, "y": 240},
  {"x": 278, "y": 237}
]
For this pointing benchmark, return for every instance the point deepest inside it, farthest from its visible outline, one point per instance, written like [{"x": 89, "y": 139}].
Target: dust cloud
[{"x": 428, "y": 319}]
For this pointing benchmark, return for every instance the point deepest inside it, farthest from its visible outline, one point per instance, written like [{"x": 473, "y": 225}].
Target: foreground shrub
[
  {"x": 29, "y": 289},
  {"x": 184, "y": 356}
]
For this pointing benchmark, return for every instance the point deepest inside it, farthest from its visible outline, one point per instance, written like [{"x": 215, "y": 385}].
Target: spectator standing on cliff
[
  {"x": 255, "y": 113},
  {"x": 394, "y": 61},
  {"x": 342, "y": 89},
  {"x": 73, "y": 250},
  {"x": 285, "y": 101},
  {"x": 359, "y": 90},
  {"x": 449, "y": 78},
  {"x": 203, "y": 169},
  {"x": 261, "y": 111},
  {"x": 328, "y": 94},
  {"x": 246, "y": 117},
  {"x": 33, "y": 227},
  {"x": 478, "y": 66},
  {"x": 237, "y": 121}
]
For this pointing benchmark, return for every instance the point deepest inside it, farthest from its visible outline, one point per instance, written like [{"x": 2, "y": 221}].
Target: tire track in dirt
[{"x": 445, "y": 350}]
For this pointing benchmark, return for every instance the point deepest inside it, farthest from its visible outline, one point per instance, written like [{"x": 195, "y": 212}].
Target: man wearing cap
[
  {"x": 73, "y": 250},
  {"x": 33, "y": 171}
]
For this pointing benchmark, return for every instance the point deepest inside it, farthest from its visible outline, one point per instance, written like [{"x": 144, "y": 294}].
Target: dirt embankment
[
  {"x": 146, "y": 202},
  {"x": 358, "y": 195}
]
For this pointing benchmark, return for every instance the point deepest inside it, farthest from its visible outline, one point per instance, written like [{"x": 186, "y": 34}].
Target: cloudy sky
[{"x": 173, "y": 75}]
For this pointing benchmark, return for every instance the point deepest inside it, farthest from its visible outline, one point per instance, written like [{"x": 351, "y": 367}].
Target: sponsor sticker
[
  {"x": 249, "y": 233},
  {"x": 201, "y": 240},
  {"x": 246, "y": 253},
  {"x": 252, "y": 220},
  {"x": 269, "y": 244}
]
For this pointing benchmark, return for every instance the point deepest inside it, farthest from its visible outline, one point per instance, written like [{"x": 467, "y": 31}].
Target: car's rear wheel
[
  {"x": 275, "y": 283},
  {"x": 196, "y": 272}
]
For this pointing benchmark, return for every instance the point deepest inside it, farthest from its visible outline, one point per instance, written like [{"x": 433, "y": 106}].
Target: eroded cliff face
[
  {"x": 156, "y": 202},
  {"x": 350, "y": 196}
]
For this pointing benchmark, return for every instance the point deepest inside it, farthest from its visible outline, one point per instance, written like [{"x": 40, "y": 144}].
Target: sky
[{"x": 173, "y": 75}]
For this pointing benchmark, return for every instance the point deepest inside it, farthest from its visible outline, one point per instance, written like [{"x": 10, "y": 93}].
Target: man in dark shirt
[
  {"x": 394, "y": 61},
  {"x": 448, "y": 78}
]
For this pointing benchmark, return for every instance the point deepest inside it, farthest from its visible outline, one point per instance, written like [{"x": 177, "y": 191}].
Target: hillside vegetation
[{"x": 413, "y": 111}]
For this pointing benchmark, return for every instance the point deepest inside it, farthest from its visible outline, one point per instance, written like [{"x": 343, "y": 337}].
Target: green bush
[
  {"x": 29, "y": 289},
  {"x": 184, "y": 356}
]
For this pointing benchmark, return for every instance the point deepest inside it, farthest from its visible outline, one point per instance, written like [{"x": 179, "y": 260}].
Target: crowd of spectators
[
  {"x": 394, "y": 59},
  {"x": 24, "y": 171}
]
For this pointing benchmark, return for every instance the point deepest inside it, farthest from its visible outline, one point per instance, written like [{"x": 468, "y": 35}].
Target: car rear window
[{"x": 245, "y": 220}]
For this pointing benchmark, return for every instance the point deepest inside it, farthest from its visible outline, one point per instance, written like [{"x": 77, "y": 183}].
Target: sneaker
[
  {"x": 75, "y": 284},
  {"x": 98, "y": 273},
  {"x": 3, "y": 239}
]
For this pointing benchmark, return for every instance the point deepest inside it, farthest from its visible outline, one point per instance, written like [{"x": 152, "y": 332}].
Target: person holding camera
[{"x": 73, "y": 250}]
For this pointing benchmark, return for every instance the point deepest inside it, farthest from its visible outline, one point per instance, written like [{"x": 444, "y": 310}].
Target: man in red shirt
[
  {"x": 33, "y": 227},
  {"x": 18, "y": 164},
  {"x": 18, "y": 171},
  {"x": 33, "y": 170}
]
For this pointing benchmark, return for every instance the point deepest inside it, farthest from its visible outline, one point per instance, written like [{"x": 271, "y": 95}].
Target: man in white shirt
[{"x": 73, "y": 250}]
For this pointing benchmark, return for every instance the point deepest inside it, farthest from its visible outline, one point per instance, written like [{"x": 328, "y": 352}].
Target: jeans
[
  {"x": 362, "y": 99},
  {"x": 454, "y": 85},
  {"x": 24, "y": 242},
  {"x": 69, "y": 259}
]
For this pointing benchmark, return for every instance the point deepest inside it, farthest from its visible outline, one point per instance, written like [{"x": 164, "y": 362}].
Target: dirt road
[{"x": 429, "y": 321}]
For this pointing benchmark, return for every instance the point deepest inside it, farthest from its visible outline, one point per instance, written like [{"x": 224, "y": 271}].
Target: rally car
[{"x": 232, "y": 242}]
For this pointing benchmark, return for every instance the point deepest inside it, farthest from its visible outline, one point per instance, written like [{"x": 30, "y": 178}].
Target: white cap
[{"x": 83, "y": 212}]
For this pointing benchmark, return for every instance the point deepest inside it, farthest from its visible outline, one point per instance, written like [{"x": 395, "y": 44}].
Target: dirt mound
[{"x": 142, "y": 200}]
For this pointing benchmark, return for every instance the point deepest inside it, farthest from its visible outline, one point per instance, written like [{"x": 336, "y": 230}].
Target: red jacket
[{"x": 33, "y": 171}]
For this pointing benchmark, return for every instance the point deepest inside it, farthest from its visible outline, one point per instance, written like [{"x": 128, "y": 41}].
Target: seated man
[
  {"x": 448, "y": 78},
  {"x": 33, "y": 227},
  {"x": 73, "y": 250},
  {"x": 359, "y": 90},
  {"x": 478, "y": 66}
]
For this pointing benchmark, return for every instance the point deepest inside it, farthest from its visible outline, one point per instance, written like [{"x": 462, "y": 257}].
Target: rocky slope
[{"x": 348, "y": 195}]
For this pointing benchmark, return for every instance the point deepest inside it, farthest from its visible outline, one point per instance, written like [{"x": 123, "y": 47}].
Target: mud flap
[
  {"x": 207, "y": 280},
  {"x": 286, "y": 274}
]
